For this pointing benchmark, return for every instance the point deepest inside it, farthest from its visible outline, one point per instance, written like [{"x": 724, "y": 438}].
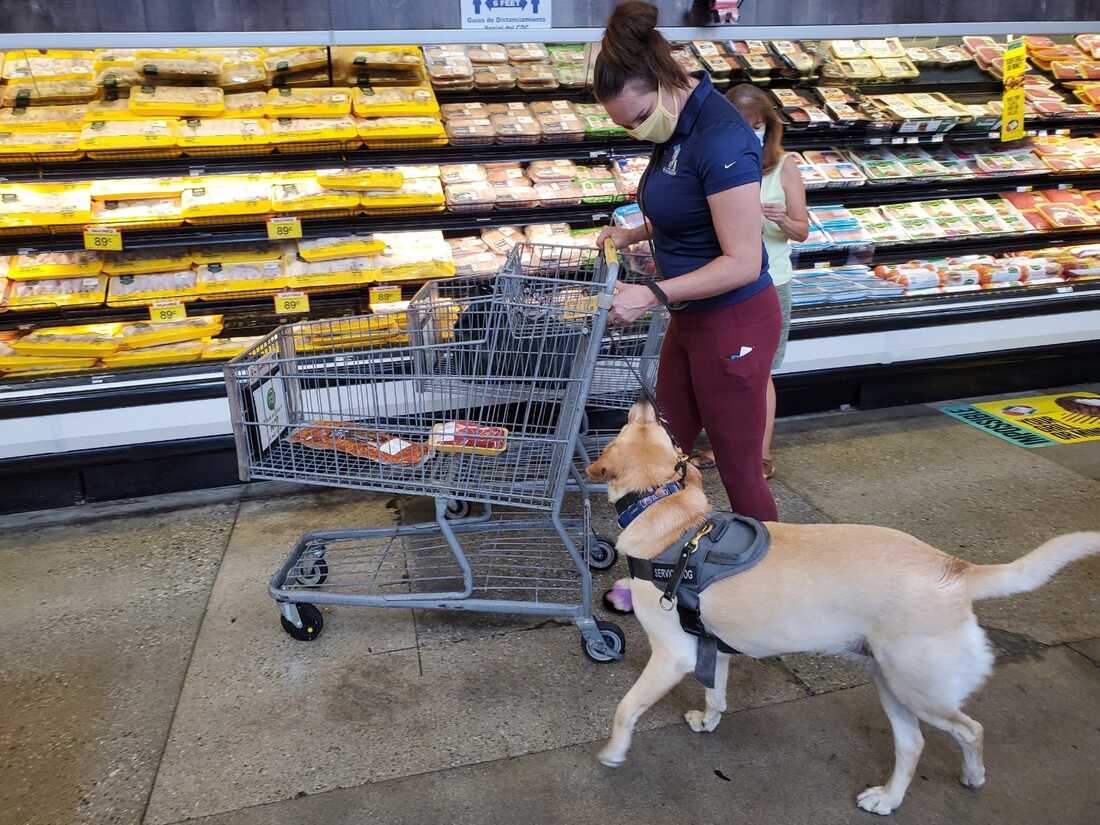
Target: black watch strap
[{"x": 658, "y": 292}]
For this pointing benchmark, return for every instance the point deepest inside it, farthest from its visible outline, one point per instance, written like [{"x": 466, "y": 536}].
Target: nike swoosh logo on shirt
[{"x": 728, "y": 165}]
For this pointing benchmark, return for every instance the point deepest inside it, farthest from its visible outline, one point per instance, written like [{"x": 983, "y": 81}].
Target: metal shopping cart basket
[{"x": 476, "y": 393}]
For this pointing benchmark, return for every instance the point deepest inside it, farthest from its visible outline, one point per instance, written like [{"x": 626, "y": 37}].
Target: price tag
[
  {"x": 161, "y": 312},
  {"x": 897, "y": 140},
  {"x": 1041, "y": 133},
  {"x": 102, "y": 238},
  {"x": 1062, "y": 290},
  {"x": 937, "y": 138},
  {"x": 1061, "y": 132},
  {"x": 912, "y": 140},
  {"x": 291, "y": 303},
  {"x": 384, "y": 295},
  {"x": 874, "y": 141},
  {"x": 1065, "y": 185},
  {"x": 1024, "y": 188},
  {"x": 284, "y": 229}
]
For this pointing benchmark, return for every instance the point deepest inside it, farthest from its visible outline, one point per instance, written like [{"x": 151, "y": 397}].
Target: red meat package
[
  {"x": 357, "y": 440},
  {"x": 469, "y": 437}
]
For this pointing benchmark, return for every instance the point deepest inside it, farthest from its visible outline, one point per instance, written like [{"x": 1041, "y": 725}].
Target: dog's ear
[{"x": 642, "y": 411}]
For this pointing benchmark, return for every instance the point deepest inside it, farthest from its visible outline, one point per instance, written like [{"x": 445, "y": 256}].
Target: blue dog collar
[{"x": 632, "y": 505}]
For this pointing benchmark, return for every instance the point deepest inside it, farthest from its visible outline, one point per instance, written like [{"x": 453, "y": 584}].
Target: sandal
[
  {"x": 769, "y": 468},
  {"x": 703, "y": 460}
]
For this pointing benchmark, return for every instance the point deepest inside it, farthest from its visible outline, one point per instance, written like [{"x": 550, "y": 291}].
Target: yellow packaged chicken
[
  {"x": 51, "y": 293},
  {"x": 335, "y": 272},
  {"x": 237, "y": 253},
  {"x": 415, "y": 255},
  {"x": 11, "y": 361},
  {"x": 220, "y": 348},
  {"x": 244, "y": 134},
  {"x": 242, "y": 76},
  {"x": 374, "y": 58},
  {"x": 344, "y": 246},
  {"x": 44, "y": 204},
  {"x": 117, "y": 77},
  {"x": 177, "y": 101},
  {"x": 28, "y": 266},
  {"x": 137, "y": 213},
  {"x": 19, "y": 145},
  {"x": 178, "y": 66},
  {"x": 143, "y": 261},
  {"x": 361, "y": 177},
  {"x": 128, "y": 290},
  {"x": 43, "y": 119},
  {"x": 115, "y": 135},
  {"x": 285, "y": 132},
  {"x": 377, "y": 131},
  {"x": 48, "y": 64},
  {"x": 124, "y": 189},
  {"x": 226, "y": 195},
  {"x": 19, "y": 93},
  {"x": 246, "y": 105},
  {"x": 241, "y": 276},
  {"x": 110, "y": 110},
  {"x": 308, "y": 102},
  {"x": 297, "y": 59},
  {"x": 175, "y": 353},
  {"x": 304, "y": 193},
  {"x": 415, "y": 193},
  {"x": 80, "y": 341},
  {"x": 147, "y": 334},
  {"x": 395, "y": 101}
]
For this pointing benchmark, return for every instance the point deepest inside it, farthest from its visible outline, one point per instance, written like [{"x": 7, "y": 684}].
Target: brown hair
[
  {"x": 632, "y": 50},
  {"x": 751, "y": 101}
]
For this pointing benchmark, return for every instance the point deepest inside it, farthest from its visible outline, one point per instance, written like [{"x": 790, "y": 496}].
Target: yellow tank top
[{"x": 779, "y": 253}]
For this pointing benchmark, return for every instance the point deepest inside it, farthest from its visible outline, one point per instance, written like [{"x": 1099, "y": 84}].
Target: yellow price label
[
  {"x": 1015, "y": 59},
  {"x": 161, "y": 312},
  {"x": 384, "y": 295},
  {"x": 102, "y": 238},
  {"x": 291, "y": 303},
  {"x": 1012, "y": 114},
  {"x": 284, "y": 229}
]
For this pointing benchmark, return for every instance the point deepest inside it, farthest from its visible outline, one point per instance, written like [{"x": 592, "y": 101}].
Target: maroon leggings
[{"x": 700, "y": 387}]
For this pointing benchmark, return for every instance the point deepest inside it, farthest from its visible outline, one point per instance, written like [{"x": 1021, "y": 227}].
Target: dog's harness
[{"x": 726, "y": 544}]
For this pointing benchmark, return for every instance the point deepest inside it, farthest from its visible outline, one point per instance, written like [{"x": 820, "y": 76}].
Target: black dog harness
[{"x": 726, "y": 544}]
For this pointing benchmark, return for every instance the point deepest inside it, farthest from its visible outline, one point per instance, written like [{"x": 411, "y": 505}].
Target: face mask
[
  {"x": 659, "y": 126},
  {"x": 763, "y": 130}
]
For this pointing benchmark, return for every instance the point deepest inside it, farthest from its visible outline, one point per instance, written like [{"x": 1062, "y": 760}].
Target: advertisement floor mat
[{"x": 1071, "y": 417}]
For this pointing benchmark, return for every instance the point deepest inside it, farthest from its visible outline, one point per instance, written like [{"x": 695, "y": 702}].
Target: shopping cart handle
[{"x": 610, "y": 253}]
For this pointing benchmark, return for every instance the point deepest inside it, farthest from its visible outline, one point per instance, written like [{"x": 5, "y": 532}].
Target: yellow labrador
[{"x": 826, "y": 588}]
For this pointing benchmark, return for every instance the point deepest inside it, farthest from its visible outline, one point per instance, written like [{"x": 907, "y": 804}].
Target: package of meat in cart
[
  {"x": 469, "y": 437},
  {"x": 628, "y": 173}
]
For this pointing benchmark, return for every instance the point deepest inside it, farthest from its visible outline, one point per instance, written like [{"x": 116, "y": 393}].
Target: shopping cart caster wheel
[
  {"x": 457, "y": 509},
  {"x": 312, "y": 623},
  {"x": 313, "y": 575},
  {"x": 613, "y": 639},
  {"x": 602, "y": 554}
]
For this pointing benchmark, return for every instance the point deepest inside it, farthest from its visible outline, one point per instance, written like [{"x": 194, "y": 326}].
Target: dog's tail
[{"x": 990, "y": 581}]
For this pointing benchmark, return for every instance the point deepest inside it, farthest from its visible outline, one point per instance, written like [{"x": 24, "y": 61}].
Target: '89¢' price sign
[
  {"x": 102, "y": 238},
  {"x": 284, "y": 229}
]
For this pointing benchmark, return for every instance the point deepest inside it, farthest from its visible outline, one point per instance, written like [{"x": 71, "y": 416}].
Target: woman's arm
[
  {"x": 796, "y": 223},
  {"x": 736, "y": 216}
]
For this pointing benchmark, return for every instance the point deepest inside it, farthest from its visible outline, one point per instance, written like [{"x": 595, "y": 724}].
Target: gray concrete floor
[{"x": 145, "y": 678}]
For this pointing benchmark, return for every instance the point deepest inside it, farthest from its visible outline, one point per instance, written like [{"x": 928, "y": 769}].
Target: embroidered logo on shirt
[
  {"x": 670, "y": 167},
  {"x": 728, "y": 165}
]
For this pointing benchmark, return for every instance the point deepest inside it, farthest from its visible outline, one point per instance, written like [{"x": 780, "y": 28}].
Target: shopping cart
[{"x": 476, "y": 394}]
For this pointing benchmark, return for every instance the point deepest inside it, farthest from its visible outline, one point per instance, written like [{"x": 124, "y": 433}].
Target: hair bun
[{"x": 630, "y": 31}]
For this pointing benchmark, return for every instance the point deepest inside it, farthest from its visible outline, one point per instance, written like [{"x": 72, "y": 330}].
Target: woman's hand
[
  {"x": 774, "y": 211},
  {"x": 618, "y": 235},
  {"x": 631, "y": 302}
]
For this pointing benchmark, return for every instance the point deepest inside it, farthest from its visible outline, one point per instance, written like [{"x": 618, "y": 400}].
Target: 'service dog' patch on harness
[{"x": 726, "y": 544}]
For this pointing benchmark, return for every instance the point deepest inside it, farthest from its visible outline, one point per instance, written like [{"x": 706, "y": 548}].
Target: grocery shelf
[
  {"x": 876, "y": 193},
  {"x": 799, "y": 140},
  {"x": 452, "y": 222}
]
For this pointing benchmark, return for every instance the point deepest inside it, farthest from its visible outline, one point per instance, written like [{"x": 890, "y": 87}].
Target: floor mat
[{"x": 1071, "y": 417}]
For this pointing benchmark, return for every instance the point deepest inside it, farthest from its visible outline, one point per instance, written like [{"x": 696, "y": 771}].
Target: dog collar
[{"x": 632, "y": 505}]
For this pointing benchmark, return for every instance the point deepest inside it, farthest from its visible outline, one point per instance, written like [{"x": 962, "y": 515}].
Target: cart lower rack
[{"x": 475, "y": 393}]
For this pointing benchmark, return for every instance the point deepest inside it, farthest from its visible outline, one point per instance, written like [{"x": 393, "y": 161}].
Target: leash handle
[{"x": 668, "y": 598}]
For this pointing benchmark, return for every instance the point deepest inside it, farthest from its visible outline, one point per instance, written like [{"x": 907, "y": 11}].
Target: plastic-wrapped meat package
[{"x": 479, "y": 196}]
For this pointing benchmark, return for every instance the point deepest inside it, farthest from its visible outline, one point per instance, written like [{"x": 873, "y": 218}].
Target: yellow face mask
[{"x": 659, "y": 126}]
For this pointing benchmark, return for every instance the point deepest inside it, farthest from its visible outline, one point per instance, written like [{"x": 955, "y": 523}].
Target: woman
[
  {"x": 785, "y": 219},
  {"x": 701, "y": 199}
]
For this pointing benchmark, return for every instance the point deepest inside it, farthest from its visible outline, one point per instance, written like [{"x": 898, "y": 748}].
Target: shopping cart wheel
[
  {"x": 456, "y": 509},
  {"x": 312, "y": 623},
  {"x": 602, "y": 554},
  {"x": 312, "y": 574},
  {"x": 613, "y": 639}
]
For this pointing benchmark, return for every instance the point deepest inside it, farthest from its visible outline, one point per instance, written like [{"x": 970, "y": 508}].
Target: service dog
[{"x": 899, "y": 604}]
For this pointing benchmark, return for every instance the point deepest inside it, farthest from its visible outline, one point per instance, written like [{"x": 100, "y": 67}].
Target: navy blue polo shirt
[{"x": 712, "y": 150}]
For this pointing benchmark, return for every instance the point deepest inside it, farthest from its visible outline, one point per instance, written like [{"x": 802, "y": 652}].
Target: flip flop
[{"x": 703, "y": 460}]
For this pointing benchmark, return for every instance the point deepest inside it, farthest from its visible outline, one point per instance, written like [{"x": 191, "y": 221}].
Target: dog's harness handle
[{"x": 668, "y": 598}]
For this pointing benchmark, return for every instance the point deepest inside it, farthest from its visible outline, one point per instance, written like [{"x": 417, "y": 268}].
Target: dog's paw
[
  {"x": 972, "y": 779},
  {"x": 701, "y": 721},
  {"x": 610, "y": 757},
  {"x": 877, "y": 801}
]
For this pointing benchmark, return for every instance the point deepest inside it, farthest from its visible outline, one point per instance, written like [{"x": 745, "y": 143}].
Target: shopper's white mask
[{"x": 761, "y": 131}]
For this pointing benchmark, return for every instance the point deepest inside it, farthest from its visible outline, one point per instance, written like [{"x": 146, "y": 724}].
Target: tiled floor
[{"x": 146, "y": 680}]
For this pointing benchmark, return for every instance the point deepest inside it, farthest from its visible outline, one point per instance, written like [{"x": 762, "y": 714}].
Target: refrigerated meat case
[{"x": 111, "y": 434}]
